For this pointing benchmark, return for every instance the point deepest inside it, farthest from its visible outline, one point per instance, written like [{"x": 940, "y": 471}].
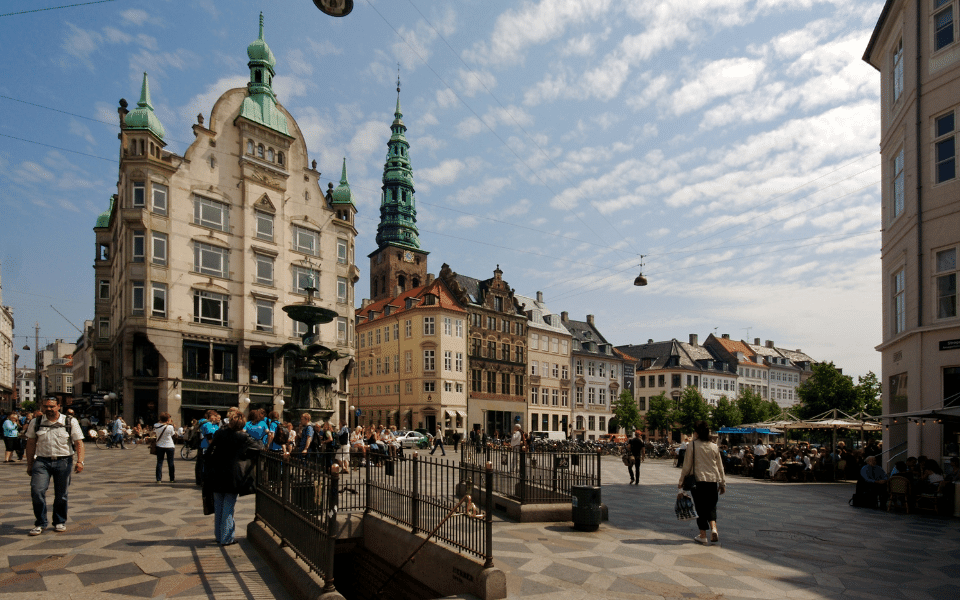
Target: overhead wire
[{"x": 33, "y": 10}]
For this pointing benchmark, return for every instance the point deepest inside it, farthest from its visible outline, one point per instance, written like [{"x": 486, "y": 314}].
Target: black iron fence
[
  {"x": 422, "y": 493},
  {"x": 298, "y": 501},
  {"x": 534, "y": 477}
]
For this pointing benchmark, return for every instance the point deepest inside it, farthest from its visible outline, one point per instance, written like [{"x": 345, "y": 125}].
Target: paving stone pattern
[{"x": 128, "y": 536}]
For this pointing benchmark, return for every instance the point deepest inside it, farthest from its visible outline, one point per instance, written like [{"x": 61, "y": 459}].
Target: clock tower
[{"x": 398, "y": 264}]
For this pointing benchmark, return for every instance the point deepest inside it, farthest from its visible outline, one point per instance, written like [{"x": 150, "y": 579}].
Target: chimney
[
  {"x": 564, "y": 316},
  {"x": 650, "y": 341},
  {"x": 693, "y": 339},
  {"x": 365, "y": 303},
  {"x": 540, "y": 297},
  {"x": 590, "y": 320},
  {"x": 756, "y": 341},
  {"x": 769, "y": 343},
  {"x": 430, "y": 278},
  {"x": 725, "y": 336}
]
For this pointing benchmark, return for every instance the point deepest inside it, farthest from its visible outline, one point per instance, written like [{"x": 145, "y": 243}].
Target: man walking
[
  {"x": 52, "y": 441},
  {"x": 438, "y": 442},
  {"x": 636, "y": 451},
  {"x": 118, "y": 428}
]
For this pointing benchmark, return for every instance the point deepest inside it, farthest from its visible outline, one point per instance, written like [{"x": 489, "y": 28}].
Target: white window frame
[
  {"x": 458, "y": 364},
  {"x": 898, "y": 305},
  {"x": 138, "y": 248},
  {"x": 429, "y": 360},
  {"x": 341, "y": 251},
  {"x": 103, "y": 289},
  {"x": 138, "y": 198},
  {"x": 447, "y": 326},
  {"x": 947, "y": 8},
  {"x": 429, "y": 386},
  {"x": 447, "y": 360},
  {"x": 265, "y": 315},
  {"x": 942, "y": 141},
  {"x": 158, "y": 292},
  {"x": 300, "y": 272},
  {"x": 342, "y": 330},
  {"x": 341, "y": 289},
  {"x": 946, "y": 278},
  {"x": 264, "y": 224},
  {"x": 429, "y": 326},
  {"x": 211, "y": 299},
  {"x": 211, "y": 213},
  {"x": 138, "y": 297},
  {"x": 898, "y": 70},
  {"x": 301, "y": 235},
  {"x": 159, "y": 247},
  {"x": 459, "y": 327},
  {"x": 265, "y": 271},
  {"x": 159, "y": 198},
  {"x": 203, "y": 251}
]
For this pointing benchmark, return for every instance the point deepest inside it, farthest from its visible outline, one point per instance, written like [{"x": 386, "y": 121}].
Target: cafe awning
[{"x": 748, "y": 430}]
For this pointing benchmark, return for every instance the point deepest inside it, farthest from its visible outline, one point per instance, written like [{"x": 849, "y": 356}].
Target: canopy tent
[
  {"x": 748, "y": 430},
  {"x": 837, "y": 419}
]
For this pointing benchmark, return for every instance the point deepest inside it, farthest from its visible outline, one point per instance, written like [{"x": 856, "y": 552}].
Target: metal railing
[
  {"x": 534, "y": 477},
  {"x": 298, "y": 501},
  {"x": 419, "y": 492}
]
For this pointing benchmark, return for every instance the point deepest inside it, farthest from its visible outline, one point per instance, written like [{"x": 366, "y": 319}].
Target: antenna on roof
[{"x": 748, "y": 331}]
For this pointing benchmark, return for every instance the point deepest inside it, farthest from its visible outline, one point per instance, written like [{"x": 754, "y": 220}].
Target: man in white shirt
[
  {"x": 52, "y": 441},
  {"x": 118, "y": 428},
  {"x": 760, "y": 449}
]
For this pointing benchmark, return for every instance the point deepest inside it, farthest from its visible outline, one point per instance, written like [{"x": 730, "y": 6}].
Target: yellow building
[{"x": 548, "y": 367}]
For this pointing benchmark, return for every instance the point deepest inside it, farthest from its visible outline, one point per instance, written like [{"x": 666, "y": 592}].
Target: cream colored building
[
  {"x": 26, "y": 385},
  {"x": 412, "y": 355},
  {"x": 198, "y": 254},
  {"x": 920, "y": 220},
  {"x": 548, "y": 367},
  {"x": 7, "y": 366},
  {"x": 50, "y": 363},
  {"x": 597, "y": 373}
]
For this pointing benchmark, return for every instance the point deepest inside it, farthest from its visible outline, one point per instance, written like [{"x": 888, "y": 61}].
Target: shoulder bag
[{"x": 690, "y": 481}]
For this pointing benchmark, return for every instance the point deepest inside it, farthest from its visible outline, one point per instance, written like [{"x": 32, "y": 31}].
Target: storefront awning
[
  {"x": 451, "y": 413},
  {"x": 391, "y": 413},
  {"x": 462, "y": 413}
]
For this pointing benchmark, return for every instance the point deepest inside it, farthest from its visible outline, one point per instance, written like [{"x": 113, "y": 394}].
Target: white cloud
[
  {"x": 446, "y": 98},
  {"x": 482, "y": 193},
  {"x": 517, "y": 208},
  {"x": 531, "y": 24},
  {"x": 469, "y": 127},
  {"x": 368, "y": 141},
  {"x": 472, "y": 82},
  {"x": 443, "y": 174},
  {"x": 720, "y": 78},
  {"x": 79, "y": 129},
  {"x": 135, "y": 16}
]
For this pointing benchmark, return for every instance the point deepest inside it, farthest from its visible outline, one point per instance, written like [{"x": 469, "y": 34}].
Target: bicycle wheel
[
  {"x": 101, "y": 442},
  {"x": 187, "y": 453}
]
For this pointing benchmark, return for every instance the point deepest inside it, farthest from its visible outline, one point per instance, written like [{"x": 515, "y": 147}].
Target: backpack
[
  {"x": 344, "y": 438},
  {"x": 193, "y": 442},
  {"x": 315, "y": 441},
  {"x": 334, "y": 442},
  {"x": 67, "y": 426}
]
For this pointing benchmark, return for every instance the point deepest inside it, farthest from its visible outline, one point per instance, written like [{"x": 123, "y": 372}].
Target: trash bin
[{"x": 586, "y": 507}]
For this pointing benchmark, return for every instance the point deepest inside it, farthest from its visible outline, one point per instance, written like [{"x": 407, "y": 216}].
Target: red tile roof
[
  {"x": 445, "y": 300},
  {"x": 734, "y": 346}
]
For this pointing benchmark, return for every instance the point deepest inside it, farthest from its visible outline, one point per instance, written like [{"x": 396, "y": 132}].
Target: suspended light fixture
[
  {"x": 640, "y": 281},
  {"x": 334, "y": 8}
]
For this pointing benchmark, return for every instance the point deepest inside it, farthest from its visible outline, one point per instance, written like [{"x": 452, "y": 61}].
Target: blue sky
[{"x": 734, "y": 144}]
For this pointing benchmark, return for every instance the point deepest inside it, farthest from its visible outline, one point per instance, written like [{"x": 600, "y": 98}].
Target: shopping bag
[
  {"x": 628, "y": 460},
  {"x": 153, "y": 446},
  {"x": 684, "y": 508},
  {"x": 208, "y": 506}
]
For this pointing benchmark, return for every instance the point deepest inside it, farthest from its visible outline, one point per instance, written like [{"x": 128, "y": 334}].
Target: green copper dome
[
  {"x": 143, "y": 117},
  {"x": 343, "y": 194},
  {"x": 259, "y": 51},
  {"x": 104, "y": 219},
  {"x": 398, "y": 206}
]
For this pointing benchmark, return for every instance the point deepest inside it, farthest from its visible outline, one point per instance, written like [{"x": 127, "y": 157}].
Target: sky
[{"x": 733, "y": 145}]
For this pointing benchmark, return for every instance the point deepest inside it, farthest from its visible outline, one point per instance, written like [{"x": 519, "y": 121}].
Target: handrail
[
  {"x": 893, "y": 457},
  {"x": 889, "y": 460}
]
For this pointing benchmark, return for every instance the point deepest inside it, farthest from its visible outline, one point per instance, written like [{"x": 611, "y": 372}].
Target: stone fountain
[{"x": 312, "y": 383}]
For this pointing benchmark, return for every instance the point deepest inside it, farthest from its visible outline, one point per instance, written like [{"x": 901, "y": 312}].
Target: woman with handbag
[
  {"x": 164, "y": 445},
  {"x": 703, "y": 463},
  {"x": 229, "y": 469}
]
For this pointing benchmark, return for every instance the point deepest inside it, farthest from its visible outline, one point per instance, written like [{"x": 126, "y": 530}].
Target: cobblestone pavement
[
  {"x": 128, "y": 536},
  {"x": 778, "y": 540}
]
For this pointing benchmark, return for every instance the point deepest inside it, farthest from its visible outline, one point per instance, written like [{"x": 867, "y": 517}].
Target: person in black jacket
[{"x": 229, "y": 473}]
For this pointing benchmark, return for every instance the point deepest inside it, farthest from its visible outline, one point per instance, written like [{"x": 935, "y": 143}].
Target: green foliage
[
  {"x": 826, "y": 389},
  {"x": 725, "y": 414},
  {"x": 28, "y": 406},
  {"x": 691, "y": 409},
  {"x": 660, "y": 411},
  {"x": 753, "y": 408},
  {"x": 626, "y": 412},
  {"x": 868, "y": 394}
]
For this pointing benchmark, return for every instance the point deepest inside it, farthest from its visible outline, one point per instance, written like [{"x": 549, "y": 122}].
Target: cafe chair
[
  {"x": 899, "y": 487},
  {"x": 932, "y": 500},
  {"x": 841, "y": 470}
]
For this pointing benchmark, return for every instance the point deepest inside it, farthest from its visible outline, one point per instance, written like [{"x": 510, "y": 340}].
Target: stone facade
[
  {"x": 549, "y": 404},
  {"x": 197, "y": 255},
  {"x": 597, "y": 373},
  {"x": 920, "y": 218}
]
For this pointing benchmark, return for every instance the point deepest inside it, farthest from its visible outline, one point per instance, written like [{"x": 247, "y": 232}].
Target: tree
[
  {"x": 691, "y": 409},
  {"x": 826, "y": 389},
  {"x": 660, "y": 413},
  {"x": 868, "y": 394},
  {"x": 751, "y": 406},
  {"x": 725, "y": 414},
  {"x": 28, "y": 406},
  {"x": 626, "y": 412}
]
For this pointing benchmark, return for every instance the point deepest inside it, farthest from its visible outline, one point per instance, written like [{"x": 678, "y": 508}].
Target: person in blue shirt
[
  {"x": 304, "y": 436},
  {"x": 873, "y": 480},
  {"x": 273, "y": 421},
  {"x": 11, "y": 436},
  {"x": 118, "y": 428},
  {"x": 208, "y": 427},
  {"x": 257, "y": 427}
]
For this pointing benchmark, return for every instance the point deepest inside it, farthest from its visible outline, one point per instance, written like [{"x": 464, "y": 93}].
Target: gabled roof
[
  {"x": 538, "y": 313},
  {"x": 673, "y": 354},
  {"x": 585, "y": 337},
  {"x": 445, "y": 300},
  {"x": 475, "y": 289},
  {"x": 735, "y": 346}
]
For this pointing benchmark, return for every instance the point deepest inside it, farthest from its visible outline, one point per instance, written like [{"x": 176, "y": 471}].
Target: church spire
[
  {"x": 260, "y": 105},
  {"x": 143, "y": 117},
  {"x": 398, "y": 211}
]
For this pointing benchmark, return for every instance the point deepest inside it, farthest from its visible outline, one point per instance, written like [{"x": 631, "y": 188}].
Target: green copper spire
[
  {"x": 143, "y": 117},
  {"x": 104, "y": 219},
  {"x": 343, "y": 194},
  {"x": 398, "y": 211},
  {"x": 260, "y": 105}
]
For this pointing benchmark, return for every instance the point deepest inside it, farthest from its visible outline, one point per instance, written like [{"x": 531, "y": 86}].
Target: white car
[{"x": 409, "y": 439}]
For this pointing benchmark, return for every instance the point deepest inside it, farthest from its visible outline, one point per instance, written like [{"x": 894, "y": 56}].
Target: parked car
[{"x": 409, "y": 439}]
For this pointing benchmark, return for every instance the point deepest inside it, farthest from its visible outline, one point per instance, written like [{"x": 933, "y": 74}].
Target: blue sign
[{"x": 358, "y": 413}]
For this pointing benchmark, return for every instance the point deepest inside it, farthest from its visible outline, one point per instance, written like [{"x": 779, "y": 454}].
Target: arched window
[
  {"x": 280, "y": 158},
  {"x": 270, "y": 154},
  {"x": 402, "y": 282},
  {"x": 249, "y": 146},
  {"x": 416, "y": 282},
  {"x": 260, "y": 150}
]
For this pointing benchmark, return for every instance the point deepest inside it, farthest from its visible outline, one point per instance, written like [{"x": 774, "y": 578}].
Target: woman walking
[
  {"x": 229, "y": 474},
  {"x": 702, "y": 460},
  {"x": 165, "y": 446}
]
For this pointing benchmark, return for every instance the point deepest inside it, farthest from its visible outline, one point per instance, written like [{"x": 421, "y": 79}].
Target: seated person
[
  {"x": 774, "y": 465},
  {"x": 808, "y": 458},
  {"x": 873, "y": 481},
  {"x": 389, "y": 441},
  {"x": 954, "y": 475},
  {"x": 357, "y": 444},
  {"x": 901, "y": 469},
  {"x": 932, "y": 476}
]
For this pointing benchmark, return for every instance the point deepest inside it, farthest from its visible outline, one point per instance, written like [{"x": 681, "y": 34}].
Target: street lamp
[{"x": 334, "y": 8}]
